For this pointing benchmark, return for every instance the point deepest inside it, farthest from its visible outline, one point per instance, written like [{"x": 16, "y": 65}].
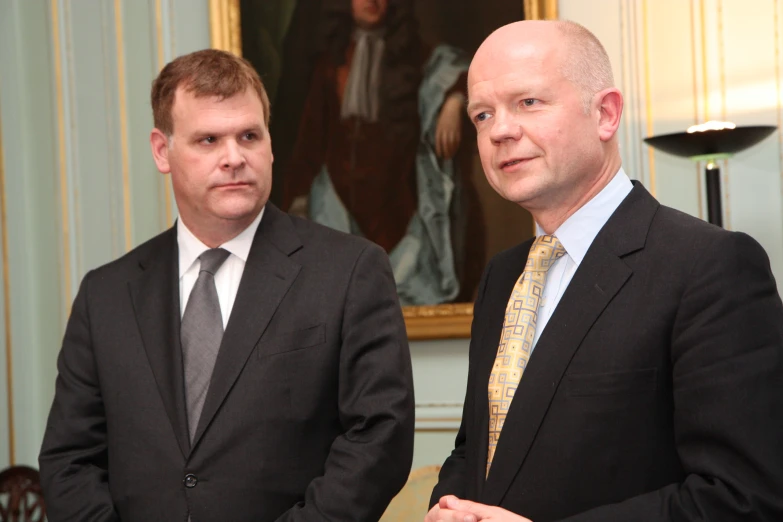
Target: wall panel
[
  {"x": 685, "y": 62},
  {"x": 75, "y": 116}
]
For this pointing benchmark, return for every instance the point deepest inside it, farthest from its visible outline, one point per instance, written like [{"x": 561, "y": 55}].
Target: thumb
[{"x": 445, "y": 501}]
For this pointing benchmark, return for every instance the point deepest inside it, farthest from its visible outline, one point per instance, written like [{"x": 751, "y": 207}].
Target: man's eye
[
  {"x": 481, "y": 117},
  {"x": 209, "y": 139},
  {"x": 528, "y": 102},
  {"x": 250, "y": 136}
]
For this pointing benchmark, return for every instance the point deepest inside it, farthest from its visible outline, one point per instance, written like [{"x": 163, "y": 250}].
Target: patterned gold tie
[{"x": 519, "y": 330}]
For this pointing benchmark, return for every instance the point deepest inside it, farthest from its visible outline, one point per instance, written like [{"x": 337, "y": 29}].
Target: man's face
[
  {"x": 538, "y": 147},
  {"x": 220, "y": 160},
  {"x": 369, "y": 14}
]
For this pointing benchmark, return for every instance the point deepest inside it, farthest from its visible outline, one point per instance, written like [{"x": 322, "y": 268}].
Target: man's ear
[
  {"x": 159, "y": 143},
  {"x": 610, "y": 106}
]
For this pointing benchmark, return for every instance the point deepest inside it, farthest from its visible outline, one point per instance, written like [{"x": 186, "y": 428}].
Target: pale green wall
[
  {"x": 52, "y": 245},
  {"x": 33, "y": 226}
]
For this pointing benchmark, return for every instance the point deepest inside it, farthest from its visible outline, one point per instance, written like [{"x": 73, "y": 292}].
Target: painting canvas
[{"x": 371, "y": 137}]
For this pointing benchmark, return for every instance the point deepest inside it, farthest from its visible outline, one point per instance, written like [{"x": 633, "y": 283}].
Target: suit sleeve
[
  {"x": 453, "y": 474},
  {"x": 73, "y": 458},
  {"x": 369, "y": 463},
  {"x": 727, "y": 382}
]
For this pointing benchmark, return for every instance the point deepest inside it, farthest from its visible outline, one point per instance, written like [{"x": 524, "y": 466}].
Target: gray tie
[{"x": 202, "y": 331}]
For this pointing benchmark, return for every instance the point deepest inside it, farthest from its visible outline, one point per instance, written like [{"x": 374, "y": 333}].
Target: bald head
[
  {"x": 540, "y": 95},
  {"x": 579, "y": 55}
]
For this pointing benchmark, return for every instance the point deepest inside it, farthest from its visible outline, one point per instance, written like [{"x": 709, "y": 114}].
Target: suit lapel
[
  {"x": 268, "y": 274},
  {"x": 599, "y": 277},
  {"x": 155, "y": 297}
]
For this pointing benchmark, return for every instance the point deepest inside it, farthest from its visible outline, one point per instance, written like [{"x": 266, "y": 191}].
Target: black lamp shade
[{"x": 710, "y": 142}]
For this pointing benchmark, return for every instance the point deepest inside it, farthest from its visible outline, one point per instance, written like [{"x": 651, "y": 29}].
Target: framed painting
[{"x": 371, "y": 137}]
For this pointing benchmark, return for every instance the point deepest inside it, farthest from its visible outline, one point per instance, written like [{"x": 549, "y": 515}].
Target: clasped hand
[{"x": 452, "y": 509}]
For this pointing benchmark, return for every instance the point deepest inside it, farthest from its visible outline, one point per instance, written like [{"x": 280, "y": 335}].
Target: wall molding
[
  {"x": 225, "y": 29},
  {"x": 443, "y": 416},
  {"x": 123, "y": 106},
  {"x": 160, "y": 42},
  {"x": 62, "y": 156},
  {"x": 776, "y": 20},
  {"x": 9, "y": 377}
]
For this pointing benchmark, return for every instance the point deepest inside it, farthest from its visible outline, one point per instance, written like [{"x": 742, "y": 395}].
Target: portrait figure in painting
[
  {"x": 376, "y": 151},
  {"x": 370, "y": 131}
]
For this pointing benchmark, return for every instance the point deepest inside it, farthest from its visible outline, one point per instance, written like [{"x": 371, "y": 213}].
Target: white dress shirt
[
  {"x": 576, "y": 235},
  {"x": 228, "y": 275}
]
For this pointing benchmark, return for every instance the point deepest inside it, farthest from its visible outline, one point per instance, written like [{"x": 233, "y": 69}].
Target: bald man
[{"x": 627, "y": 365}]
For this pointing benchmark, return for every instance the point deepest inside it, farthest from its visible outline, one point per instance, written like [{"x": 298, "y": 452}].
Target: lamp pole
[{"x": 714, "y": 207}]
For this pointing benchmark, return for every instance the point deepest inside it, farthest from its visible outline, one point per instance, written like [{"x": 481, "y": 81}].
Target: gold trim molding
[
  {"x": 541, "y": 9},
  {"x": 62, "y": 158},
  {"x": 9, "y": 374},
  {"x": 123, "y": 103},
  {"x": 161, "y": 56},
  {"x": 448, "y": 321},
  {"x": 224, "y": 26}
]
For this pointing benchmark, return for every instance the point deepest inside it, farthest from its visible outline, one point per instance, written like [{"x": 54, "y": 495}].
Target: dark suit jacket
[
  {"x": 655, "y": 392},
  {"x": 309, "y": 414}
]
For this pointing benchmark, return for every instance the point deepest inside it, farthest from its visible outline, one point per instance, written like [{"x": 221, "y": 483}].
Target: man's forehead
[
  {"x": 497, "y": 60},
  {"x": 512, "y": 70},
  {"x": 189, "y": 101},
  {"x": 216, "y": 113}
]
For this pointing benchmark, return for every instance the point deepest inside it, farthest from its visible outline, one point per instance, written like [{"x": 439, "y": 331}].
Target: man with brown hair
[
  {"x": 627, "y": 364},
  {"x": 243, "y": 365}
]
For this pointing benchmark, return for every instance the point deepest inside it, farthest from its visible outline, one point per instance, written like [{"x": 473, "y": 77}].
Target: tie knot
[
  {"x": 212, "y": 259},
  {"x": 543, "y": 254}
]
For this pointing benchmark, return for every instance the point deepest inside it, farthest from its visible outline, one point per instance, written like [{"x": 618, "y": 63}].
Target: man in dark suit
[
  {"x": 627, "y": 365},
  {"x": 301, "y": 411}
]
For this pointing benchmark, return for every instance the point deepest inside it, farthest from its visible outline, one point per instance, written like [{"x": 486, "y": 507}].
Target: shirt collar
[
  {"x": 578, "y": 231},
  {"x": 191, "y": 247}
]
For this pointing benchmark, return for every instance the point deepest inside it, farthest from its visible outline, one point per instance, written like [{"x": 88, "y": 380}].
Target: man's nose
[
  {"x": 233, "y": 158},
  {"x": 505, "y": 127}
]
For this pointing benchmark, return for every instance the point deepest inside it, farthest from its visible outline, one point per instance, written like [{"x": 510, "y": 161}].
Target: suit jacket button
[{"x": 190, "y": 480}]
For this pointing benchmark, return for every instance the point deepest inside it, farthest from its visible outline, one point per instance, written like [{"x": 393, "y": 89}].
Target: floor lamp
[{"x": 710, "y": 142}]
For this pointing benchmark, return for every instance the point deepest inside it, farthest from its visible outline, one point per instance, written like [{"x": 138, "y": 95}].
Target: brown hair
[{"x": 209, "y": 72}]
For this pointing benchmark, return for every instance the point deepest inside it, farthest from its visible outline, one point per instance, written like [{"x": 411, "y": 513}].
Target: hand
[
  {"x": 452, "y": 509},
  {"x": 448, "y": 131}
]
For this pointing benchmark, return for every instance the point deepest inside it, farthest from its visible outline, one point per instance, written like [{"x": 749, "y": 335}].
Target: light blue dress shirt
[{"x": 576, "y": 236}]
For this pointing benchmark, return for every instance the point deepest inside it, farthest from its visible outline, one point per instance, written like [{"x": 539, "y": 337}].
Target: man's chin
[
  {"x": 248, "y": 213},
  {"x": 522, "y": 196},
  {"x": 238, "y": 206}
]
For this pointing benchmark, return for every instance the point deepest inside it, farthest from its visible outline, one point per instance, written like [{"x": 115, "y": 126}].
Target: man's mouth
[
  {"x": 236, "y": 184},
  {"x": 512, "y": 162}
]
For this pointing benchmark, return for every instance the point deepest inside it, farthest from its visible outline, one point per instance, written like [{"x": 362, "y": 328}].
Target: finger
[
  {"x": 446, "y": 143},
  {"x": 444, "y": 501},
  {"x": 480, "y": 510},
  {"x": 451, "y": 149},
  {"x": 453, "y": 145},
  {"x": 448, "y": 515},
  {"x": 432, "y": 515}
]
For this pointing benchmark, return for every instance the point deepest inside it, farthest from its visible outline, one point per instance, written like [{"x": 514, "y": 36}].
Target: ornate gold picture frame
[{"x": 422, "y": 322}]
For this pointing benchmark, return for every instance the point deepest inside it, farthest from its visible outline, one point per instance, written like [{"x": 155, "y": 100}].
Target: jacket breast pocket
[
  {"x": 614, "y": 383},
  {"x": 291, "y": 341}
]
